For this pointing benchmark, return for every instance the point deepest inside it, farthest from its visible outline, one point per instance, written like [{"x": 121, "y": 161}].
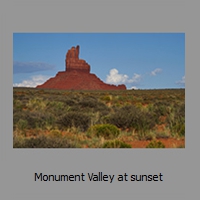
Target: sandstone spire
[{"x": 72, "y": 61}]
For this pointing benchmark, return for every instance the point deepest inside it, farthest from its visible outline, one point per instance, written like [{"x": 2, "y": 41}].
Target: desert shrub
[
  {"x": 32, "y": 120},
  {"x": 155, "y": 144},
  {"x": 163, "y": 135},
  {"x": 70, "y": 102},
  {"x": 36, "y": 103},
  {"x": 106, "y": 98},
  {"x": 55, "y": 134},
  {"x": 123, "y": 117},
  {"x": 91, "y": 104},
  {"x": 181, "y": 146},
  {"x": 144, "y": 122},
  {"x": 22, "y": 124},
  {"x": 42, "y": 142},
  {"x": 161, "y": 108},
  {"x": 133, "y": 117},
  {"x": 178, "y": 127},
  {"x": 150, "y": 107},
  {"x": 37, "y": 119},
  {"x": 108, "y": 131},
  {"x": 17, "y": 115},
  {"x": 75, "y": 119},
  {"x": 116, "y": 144},
  {"x": 57, "y": 107},
  {"x": 21, "y": 97},
  {"x": 18, "y": 141},
  {"x": 181, "y": 110},
  {"x": 17, "y": 104},
  {"x": 176, "y": 120},
  {"x": 148, "y": 135}
]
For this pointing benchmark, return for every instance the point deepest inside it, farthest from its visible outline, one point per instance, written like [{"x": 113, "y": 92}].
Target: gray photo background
[{"x": 179, "y": 166}]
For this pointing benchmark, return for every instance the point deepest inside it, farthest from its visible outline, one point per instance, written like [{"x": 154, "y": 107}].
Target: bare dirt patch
[{"x": 169, "y": 143}]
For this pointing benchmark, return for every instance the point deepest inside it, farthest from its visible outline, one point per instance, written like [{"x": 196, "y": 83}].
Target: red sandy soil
[{"x": 169, "y": 143}]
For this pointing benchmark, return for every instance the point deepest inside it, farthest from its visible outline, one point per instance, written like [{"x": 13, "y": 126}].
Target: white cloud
[
  {"x": 156, "y": 71},
  {"x": 181, "y": 82},
  {"x": 135, "y": 79},
  {"x": 115, "y": 78},
  {"x": 33, "y": 82}
]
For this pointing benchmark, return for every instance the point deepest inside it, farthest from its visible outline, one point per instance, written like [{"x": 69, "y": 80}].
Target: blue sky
[{"x": 138, "y": 60}]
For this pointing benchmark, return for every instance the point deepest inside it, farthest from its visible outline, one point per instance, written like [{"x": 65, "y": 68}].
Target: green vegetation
[
  {"x": 75, "y": 119},
  {"x": 44, "y": 118},
  {"x": 42, "y": 141},
  {"x": 155, "y": 144},
  {"x": 132, "y": 117},
  {"x": 107, "y": 131},
  {"x": 116, "y": 144}
]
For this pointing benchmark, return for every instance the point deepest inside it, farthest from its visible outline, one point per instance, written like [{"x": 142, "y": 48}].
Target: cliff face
[
  {"x": 77, "y": 76},
  {"x": 72, "y": 61}
]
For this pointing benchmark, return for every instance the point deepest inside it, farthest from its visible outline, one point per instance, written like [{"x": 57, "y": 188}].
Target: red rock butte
[{"x": 77, "y": 76}]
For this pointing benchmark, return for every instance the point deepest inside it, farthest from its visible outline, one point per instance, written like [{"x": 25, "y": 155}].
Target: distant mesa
[{"x": 77, "y": 76}]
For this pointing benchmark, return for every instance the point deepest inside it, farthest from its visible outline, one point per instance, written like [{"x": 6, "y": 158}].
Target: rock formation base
[{"x": 74, "y": 80}]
